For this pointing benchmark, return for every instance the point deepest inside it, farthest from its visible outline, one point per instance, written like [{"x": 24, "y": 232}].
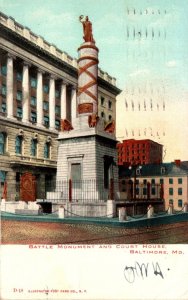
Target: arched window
[
  {"x": 47, "y": 150},
  {"x": 2, "y": 142},
  {"x": 18, "y": 144},
  {"x": 34, "y": 147}
]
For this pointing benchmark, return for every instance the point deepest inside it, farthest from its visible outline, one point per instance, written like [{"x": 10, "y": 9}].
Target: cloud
[
  {"x": 139, "y": 72},
  {"x": 108, "y": 19},
  {"x": 53, "y": 19},
  {"x": 110, "y": 40},
  {"x": 8, "y": 5},
  {"x": 171, "y": 63}
]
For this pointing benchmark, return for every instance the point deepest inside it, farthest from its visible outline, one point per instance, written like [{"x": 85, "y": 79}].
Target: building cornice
[
  {"x": 24, "y": 43},
  {"x": 27, "y": 45}
]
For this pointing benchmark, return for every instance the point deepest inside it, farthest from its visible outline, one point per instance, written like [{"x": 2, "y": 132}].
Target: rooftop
[{"x": 163, "y": 169}]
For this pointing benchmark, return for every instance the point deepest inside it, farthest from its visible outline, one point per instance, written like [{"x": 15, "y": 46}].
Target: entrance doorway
[{"x": 27, "y": 187}]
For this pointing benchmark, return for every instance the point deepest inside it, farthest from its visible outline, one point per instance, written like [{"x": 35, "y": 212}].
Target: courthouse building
[{"x": 38, "y": 84}]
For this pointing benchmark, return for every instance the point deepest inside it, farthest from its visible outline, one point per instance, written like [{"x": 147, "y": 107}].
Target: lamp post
[{"x": 135, "y": 167}]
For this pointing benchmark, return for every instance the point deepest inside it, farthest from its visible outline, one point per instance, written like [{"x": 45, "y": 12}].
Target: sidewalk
[{"x": 132, "y": 222}]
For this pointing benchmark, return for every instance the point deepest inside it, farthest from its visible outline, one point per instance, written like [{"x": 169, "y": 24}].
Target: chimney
[{"x": 177, "y": 162}]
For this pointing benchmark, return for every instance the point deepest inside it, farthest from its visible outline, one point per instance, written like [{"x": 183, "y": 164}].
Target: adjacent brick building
[{"x": 133, "y": 151}]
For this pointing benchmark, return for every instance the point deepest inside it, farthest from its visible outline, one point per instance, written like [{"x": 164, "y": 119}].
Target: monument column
[
  {"x": 9, "y": 86},
  {"x": 39, "y": 98},
  {"x": 25, "y": 89},
  {"x": 87, "y": 72}
]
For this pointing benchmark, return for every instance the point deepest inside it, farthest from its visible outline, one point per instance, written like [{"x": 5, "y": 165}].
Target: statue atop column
[{"x": 87, "y": 29}]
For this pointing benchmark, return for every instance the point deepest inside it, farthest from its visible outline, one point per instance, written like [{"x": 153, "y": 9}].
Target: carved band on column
[
  {"x": 82, "y": 70},
  {"x": 85, "y": 108}
]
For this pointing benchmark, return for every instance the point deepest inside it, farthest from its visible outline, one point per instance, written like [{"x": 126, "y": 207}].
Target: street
[{"x": 19, "y": 232}]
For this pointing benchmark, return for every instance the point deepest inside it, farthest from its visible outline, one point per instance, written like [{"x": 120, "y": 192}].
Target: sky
[
  {"x": 57, "y": 21},
  {"x": 142, "y": 43}
]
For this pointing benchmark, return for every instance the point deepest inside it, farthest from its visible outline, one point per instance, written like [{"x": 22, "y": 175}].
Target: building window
[
  {"x": 57, "y": 124},
  {"x": 57, "y": 93},
  {"x": 102, "y": 101},
  {"x": 153, "y": 190},
  {"x": 57, "y": 110},
  {"x": 19, "y": 95},
  {"x": 145, "y": 181},
  {"x": 171, "y": 191},
  {"x": 4, "y": 70},
  {"x": 144, "y": 191},
  {"x": 45, "y": 105},
  {"x": 179, "y": 180},
  {"x": 3, "y": 107},
  {"x": 110, "y": 118},
  {"x": 47, "y": 150},
  {"x": 109, "y": 104},
  {"x": 2, "y": 142},
  {"x": 2, "y": 177},
  {"x": 180, "y": 203},
  {"x": 33, "y": 101},
  {"x": 34, "y": 147},
  {"x": 33, "y": 117},
  {"x": 19, "y": 76},
  {"x": 171, "y": 180},
  {"x": 171, "y": 201},
  {"x": 46, "y": 121},
  {"x": 179, "y": 191},
  {"x": 103, "y": 115},
  {"x": 4, "y": 90},
  {"x": 19, "y": 112},
  {"x": 33, "y": 82},
  {"x": 153, "y": 181},
  {"x": 46, "y": 88},
  {"x": 161, "y": 180},
  {"x": 18, "y": 145}
]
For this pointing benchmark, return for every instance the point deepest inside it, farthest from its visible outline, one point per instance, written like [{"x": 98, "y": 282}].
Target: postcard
[{"x": 93, "y": 149}]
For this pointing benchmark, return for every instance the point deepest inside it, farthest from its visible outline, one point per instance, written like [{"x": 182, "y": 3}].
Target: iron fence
[{"x": 89, "y": 190}]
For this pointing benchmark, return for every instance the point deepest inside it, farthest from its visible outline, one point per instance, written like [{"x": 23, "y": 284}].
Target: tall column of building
[
  {"x": 52, "y": 102},
  {"x": 9, "y": 86},
  {"x": 73, "y": 105},
  {"x": 39, "y": 98},
  {"x": 25, "y": 91},
  {"x": 63, "y": 101}
]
